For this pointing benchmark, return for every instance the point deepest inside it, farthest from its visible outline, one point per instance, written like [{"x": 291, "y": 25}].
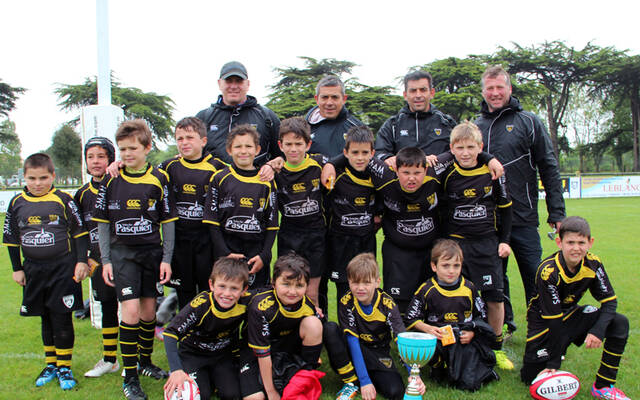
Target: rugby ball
[
  {"x": 560, "y": 385},
  {"x": 190, "y": 391}
]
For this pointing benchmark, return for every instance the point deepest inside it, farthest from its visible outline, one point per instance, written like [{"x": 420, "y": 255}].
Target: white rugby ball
[
  {"x": 190, "y": 391},
  {"x": 560, "y": 385}
]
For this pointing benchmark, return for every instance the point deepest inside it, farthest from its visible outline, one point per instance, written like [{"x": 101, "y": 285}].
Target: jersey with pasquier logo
[
  {"x": 376, "y": 329},
  {"x": 352, "y": 202},
  {"x": 439, "y": 306},
  {"x": 85, "y": 198},
  {"x": 135, "y": 205},
  {"x": 271, "y": 326},
  {"x": 242, "y": 206},
  {"x": 189, "y": 183},
  {"x": 202, "y": 326},
  {"x": 42, "y": 226},
  {"x": 300, "y": 193},
  {"x": 472, "y": 199}
]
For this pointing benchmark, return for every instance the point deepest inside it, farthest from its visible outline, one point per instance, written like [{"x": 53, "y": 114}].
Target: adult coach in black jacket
[
  {"x": 330, "y": 120},
  {"x": 519, "y": 140},
  {"x": 235, "y": 107},
  {"x": 418, "y": 124}
]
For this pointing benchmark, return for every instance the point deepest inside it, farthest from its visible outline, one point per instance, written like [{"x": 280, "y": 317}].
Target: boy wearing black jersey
[
  {"x": 555, "y": 319},
  {"x": 283, "y": 331},
  {"x": 130, "y": 209},
  {"x": 99, "y": 152},
  {"x": 448, "y": 300},
  {"x": 302, "y": 225},
  {"x": 208, "y": 329},
  {"x": 189, "y": 175},
  {"x": 46, "y": 225},
  {"x": 478, "y": 216},
  {"x": 242, "y": 209}
]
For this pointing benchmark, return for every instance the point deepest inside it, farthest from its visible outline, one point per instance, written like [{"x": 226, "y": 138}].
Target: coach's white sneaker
[{"x": 102, "y": 367}]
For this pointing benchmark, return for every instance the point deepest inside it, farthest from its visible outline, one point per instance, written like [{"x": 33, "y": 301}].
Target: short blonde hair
[
  {"x": 363, "y": 268},
  {"x": 466, "y": 131}
]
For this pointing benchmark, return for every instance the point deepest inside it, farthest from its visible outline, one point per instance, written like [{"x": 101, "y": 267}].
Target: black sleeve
[
  {"x": 385, "y": 146},
  {"x": 505, "y": 210},
  {"x": 14, "y": 255},
  {"x": 607, "y": 312},
  {"x": 269, "y": 238},
  {"x": 81, "y": 248},
  {"x": 555, "y": 343},
  {"x": 545, "y": 159},
  {"x": 220, "y": 248},
  {"x": 171, "y": 348},
  {"x": 339, "y": 161},
  {"x": 484, "y": 157}
]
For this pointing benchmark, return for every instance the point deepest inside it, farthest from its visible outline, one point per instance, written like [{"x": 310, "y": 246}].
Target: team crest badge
[
  {"x": 387, "y": 362},
  {"x": 344, "y": 136},
  {"x": 68, "y": 300},
  {"x": 438, "y": 132},
  {"x": 509, "y": 128},
  {"x": 213, "y": 128}
]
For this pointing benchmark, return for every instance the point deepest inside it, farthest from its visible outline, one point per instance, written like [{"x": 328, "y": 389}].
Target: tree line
[{"x": 589, "y": 98}]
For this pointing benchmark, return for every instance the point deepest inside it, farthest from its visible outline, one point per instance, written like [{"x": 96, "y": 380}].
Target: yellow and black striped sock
[
  {"x": 64, "y": 357},
  {"x": 610, "y": 362},
  {"x": 497, "y": 345},
  {"x": 129, "y": 348},
  {"x": 145, "y": 341},
  {"x": 110, "y": 343},
  {"x": 50, "y": 355},
  {"x": 47, "y": 340}
]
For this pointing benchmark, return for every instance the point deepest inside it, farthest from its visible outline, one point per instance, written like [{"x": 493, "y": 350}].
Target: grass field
[{"x": 615, "y": 224}]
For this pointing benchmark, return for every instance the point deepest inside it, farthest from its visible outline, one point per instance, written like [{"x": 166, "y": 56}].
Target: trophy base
[{"x": 412, "y": 397}]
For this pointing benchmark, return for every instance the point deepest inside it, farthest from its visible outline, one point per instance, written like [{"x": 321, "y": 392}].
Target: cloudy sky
[{"x": 177, "y": 48}]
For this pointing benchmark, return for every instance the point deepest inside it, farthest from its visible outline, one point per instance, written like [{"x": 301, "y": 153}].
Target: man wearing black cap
[{"x": 235, "y": 107}]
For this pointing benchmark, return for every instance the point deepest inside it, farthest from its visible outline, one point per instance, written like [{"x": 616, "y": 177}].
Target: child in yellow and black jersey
[
  {"x": 555, "y": 319},
  {"x": 300, "y": 200},
  {"x": 448, "y": 306},
  {"x": 207, "y": 330},
  {"x": 478, "y": 216},
  {"x": 283, "y": 330},
  {"x": 242, "y": 209},
  {"x": 130, "y": 209},
  {"x": 46, "y": 225},
  {"x": 99, "y": 152},
  {"x": 189, "y": 176}
]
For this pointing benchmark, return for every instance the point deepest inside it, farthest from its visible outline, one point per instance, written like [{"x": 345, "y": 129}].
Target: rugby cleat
[
  {"x": 608, "y": 393},
  {"x": 153, "y": 371},
  {"x": 102, "y": 367},
  {"x": 49, "y": 373},
  {"x": 66, "y": 379},
  {"x": 348, "y": 392},
  {"x": 502, "y": 361},
  {"x": 132, "y": 390}
]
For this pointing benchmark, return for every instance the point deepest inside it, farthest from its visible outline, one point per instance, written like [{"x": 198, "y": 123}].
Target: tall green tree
[
  {"x": 154, "y": 108},
  {"x": 556, "y": 67},
  {"x": 10, "y": 148},
  {"x": 8, "y": 96},
  {"x": 66, "y": 152}
]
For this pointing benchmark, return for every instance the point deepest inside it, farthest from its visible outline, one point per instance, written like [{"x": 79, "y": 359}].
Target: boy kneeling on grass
[
  {"x": 555, "y": 319},
  {"x": 449, "y": 307}
]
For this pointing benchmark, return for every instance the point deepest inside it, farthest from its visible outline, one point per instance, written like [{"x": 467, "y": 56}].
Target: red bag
[{"x": 304, "y": 385}]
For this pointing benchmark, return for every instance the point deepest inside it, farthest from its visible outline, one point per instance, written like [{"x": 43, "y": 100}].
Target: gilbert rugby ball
[
  {"x": 560, "y": 385},
  {"x": 190, "y": 391}
]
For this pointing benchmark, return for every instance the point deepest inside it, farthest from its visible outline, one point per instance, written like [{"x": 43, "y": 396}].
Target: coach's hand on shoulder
[
  {"x": 496, "y": 168},
  {"x": 328, "y": 176},
  {"x": 266, "y": 173},
  {"x": 107, "y": 275},
  {"x": 368, "y": 392},
  {"x": 175, "y": 382},
  {"x": 114, "y": 168},
  {"x": 391, "y": 162},
  {"x": 255, "y": 264},
  {"x": 81, "y": 272},
  {"x": 19, "y": 278},
  {"x": 165, "y": 272}
]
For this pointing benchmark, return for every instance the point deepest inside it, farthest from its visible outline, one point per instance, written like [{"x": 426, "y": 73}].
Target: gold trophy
[{"x": 416, "y": 349}]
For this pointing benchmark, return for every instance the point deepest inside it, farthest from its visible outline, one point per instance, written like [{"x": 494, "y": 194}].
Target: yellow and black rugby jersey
[
  {"x": 558, "y": 291},
  {"x": 352, "y": 203},
  {"x": 439, "y": 306},
  {"x": 410, "y": 220},
  {"x": 203, "y": 326},
  {"x": 241, "y": 204},
  {"x": 42, "y": 226},
  {"x": 271, "y": 325},
  {"x": 300, "y": 193},
  {"x": 135, "y": 205},
  {"x": 472, "y": 199},
  {"x": 189, "y": 182},
  {"x": 85, "y": 198},
  {"x": 376, "y": 329}
]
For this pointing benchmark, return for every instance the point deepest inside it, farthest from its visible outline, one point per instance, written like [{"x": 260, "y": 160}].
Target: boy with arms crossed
[
  {"x": 135, "y": 259},
  {"x": 478, "y": 216},
  {"x": 99, "y": 153},
  {"x": 242, "y": 209},
  {"x": 282, "y": 328},
  {"x": 450, "y": 299},
  {"x": 208, "y": 332},
  {"x": 46, "y": 225},
  {"x": 555, "y": 319}
]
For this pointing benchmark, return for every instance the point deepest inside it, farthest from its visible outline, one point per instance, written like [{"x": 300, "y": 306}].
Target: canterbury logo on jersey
[
  {"x": 413, "y": 207},
  {"x": 265, "y": 304},
  {"x": 38, "y": 239},
  {"x": 469, "y": 193},
  {"x": 189, "y": 188},
  {"x": 34, "y": 220},
  {"x": 360, "y": 201},
  {"x": 546, "y": 271},
  {"x": 298, "y": 187},
  {"x": 246, "y": 202},
  {"x": 133, "y": 204},
  {"x": 451, "y": 316},
  {"x": 198, "y": 301},
  {"x": 366, "y": 337}
]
